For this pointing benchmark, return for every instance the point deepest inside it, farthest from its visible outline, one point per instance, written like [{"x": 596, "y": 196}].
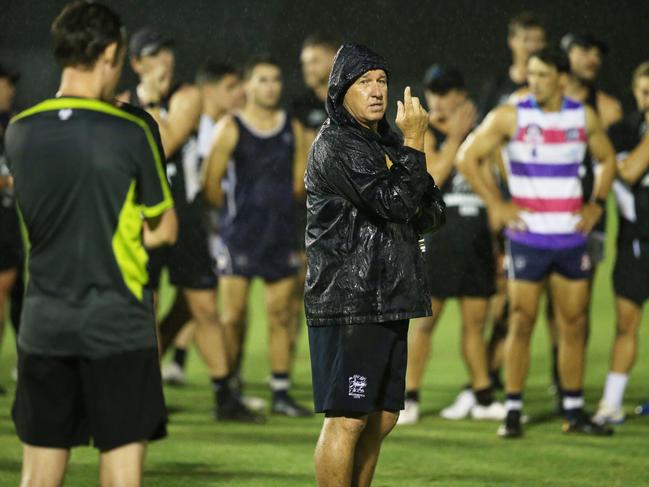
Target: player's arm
[
  {"x": 609, "y": 108},
  {"x": 215, "y": 164},
  {"x": 636, "y": 163},
  {"x": 497, "y": 127},
  {"x": 160, "y": 230},
  {"x": 185, "y": 109},
  {"x": 602, "y": 151},
  {"x": 299, "y": 160}
]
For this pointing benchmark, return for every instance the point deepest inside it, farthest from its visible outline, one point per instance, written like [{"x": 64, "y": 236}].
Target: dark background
[{"x": 468, "y": 33}]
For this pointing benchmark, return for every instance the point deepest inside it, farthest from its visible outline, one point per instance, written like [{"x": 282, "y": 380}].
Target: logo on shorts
[
  {"x": 585, "y": 263},
  {"x": 357, "y": 385},
  {"x": 520, "y": 262}
]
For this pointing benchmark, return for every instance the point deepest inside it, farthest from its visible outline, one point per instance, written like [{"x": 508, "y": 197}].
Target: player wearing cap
[
  {"x": 547, "y": 222},
  {"x": 87, "y": 357},
  {"x": 459, "y": 258},
  {"x": 631, "y": 272},
  {"x": 11, "y": 245},
  {"x": 177, "y": 109},
  {"x": 254, "y": 173}
]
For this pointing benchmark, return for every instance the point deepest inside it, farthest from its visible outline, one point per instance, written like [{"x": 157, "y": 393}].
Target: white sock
[{"x": 614, "y": 389}]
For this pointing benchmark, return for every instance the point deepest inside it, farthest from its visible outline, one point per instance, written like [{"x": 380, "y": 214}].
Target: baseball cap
[
  {"x": 146, "y": 42},
  {"x": 583, "y": 40},
  {"x": 8, "y": 73}
]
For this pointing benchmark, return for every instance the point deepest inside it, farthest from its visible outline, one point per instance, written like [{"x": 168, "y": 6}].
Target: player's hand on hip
[
  {"x": 506, "y": 214},
  {"x": 412, "y": 120},
  {"x": 589, "y": 216}
]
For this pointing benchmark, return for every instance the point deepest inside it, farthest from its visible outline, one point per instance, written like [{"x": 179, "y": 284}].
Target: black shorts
[
  {"x": 631, "y": 271},
  {"x": 189, "y": 261},
  {"x": 11, "y": 243},
  {"x": 269, "y": 264},
  {"x": 10, "y": 255},
  {"x": 460, "y": 258},
  {"x": 63, "y": 402},
  {"x": 359, "y": 368}
]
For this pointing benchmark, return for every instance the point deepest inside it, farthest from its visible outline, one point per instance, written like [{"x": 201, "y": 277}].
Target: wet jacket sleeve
[
  {"x": 433, "y": 210},
  {"x": 394, "y": 194}
]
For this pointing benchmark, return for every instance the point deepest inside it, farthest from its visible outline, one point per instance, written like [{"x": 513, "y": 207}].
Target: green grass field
[{"x": 200, "y": 452}]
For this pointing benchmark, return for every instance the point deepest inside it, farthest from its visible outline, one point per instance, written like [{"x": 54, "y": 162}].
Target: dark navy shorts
[
  {"x": 359, "y": 368},
  {"x": 526, "y": 263},
  {"x": 269, "y": 264}
]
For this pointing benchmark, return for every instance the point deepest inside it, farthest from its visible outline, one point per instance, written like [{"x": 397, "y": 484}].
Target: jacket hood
[{"x": 351, "y": 62}]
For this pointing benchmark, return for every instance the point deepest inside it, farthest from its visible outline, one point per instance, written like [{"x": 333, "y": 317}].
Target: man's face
[
  {"x": 440, "y": 107},
  {"x": 641, "y": 93},
  {"x": 223, "y": 94},
  {"x": 112, "y": 63},
  {"x": 585, "y": 62},
  {"x": 317, "y": 62},
  {"x": 7, "y": 94},
  {"x": 525, "y": 41},
  {"x": 158, "y": 68},
  {"x": 544, "y": 80},
  {"x": 264, "y": 87},
  {"x": 366, "y": 100}
]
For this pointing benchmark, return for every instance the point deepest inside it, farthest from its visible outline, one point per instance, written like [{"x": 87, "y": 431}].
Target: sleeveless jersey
[
  {"x": 259, "y": 208},
  {"x": 544, "y": 159}
]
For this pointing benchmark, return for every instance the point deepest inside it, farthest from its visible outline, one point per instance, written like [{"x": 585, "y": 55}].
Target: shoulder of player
[
  {"x": 186, "y": 92},
  {"x": 226, "y": 130},
  {"x": 609, "y": 101},
  {"x": 503, "y": 118}
]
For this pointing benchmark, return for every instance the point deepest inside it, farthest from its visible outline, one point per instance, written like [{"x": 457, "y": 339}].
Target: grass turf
[{"x": 200, "y": 452}]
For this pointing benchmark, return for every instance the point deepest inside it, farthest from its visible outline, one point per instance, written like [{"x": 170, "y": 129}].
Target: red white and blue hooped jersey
[{"x": 544, "y": 158}]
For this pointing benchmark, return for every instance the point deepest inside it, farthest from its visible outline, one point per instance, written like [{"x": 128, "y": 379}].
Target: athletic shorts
[
  {"x": 631, "y": 271},
  {"x": 62, "y": 402},
  {"x": 11, "y": 243},
  {"x": 596, "y": 247},
  {"x": 526, "y": 263},
  {"x": 269, "y": 264},
  {"x": 359, "y": 368},
  {"x": 460, "y": 259},
  {"x": 189, "y": 261}
]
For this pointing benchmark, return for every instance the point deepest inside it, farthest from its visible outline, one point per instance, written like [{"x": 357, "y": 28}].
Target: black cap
[
  {"x": 13, "y": 76},
  {"x": 583, "y": 40},
  {"x": 146, "y": 42},
  {"x": 440, "y": 79}
]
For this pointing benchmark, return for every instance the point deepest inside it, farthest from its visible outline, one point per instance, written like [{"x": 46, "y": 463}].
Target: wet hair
[
  {"x": 255, "y": 61},
  {"x": 440, "y": 79},
  {"x": 640, "y": 72},
  {"x": 323, "y": 39},
  {"x": 82, "y": 31},
  {"x": 553, "y": 56},
  {"x": 213, "y": 72},
  {"x": 525, "y": 20}
]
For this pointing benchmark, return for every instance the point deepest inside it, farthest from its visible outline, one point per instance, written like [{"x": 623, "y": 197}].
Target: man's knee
[
  {"x": 388, "y": 422},
  {"x": 521, "y": 323},
  {"x": 345, "y": 424}
]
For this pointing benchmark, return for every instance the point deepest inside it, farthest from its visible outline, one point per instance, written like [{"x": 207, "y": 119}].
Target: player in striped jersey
[{"x": 547, "y": 223}]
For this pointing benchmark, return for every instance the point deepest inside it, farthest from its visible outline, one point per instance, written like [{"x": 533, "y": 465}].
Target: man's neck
[
  {"x": 321, "y": 92},
  {"x": 213, "y": 112},
  {"x": 577, "y": 89},
  {"x": 553, "y": 104},
  {"x": 518, "y": 71},
  {"x": 79, "y": 83},
  {"x": 261, "y": 117}
]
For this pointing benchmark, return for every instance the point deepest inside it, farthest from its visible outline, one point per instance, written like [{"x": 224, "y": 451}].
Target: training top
[
  {"x": 258, "y": 214},
  {"x": 544, "y": 158},
  {"x": 86, "y": 173},
  {"x": 632, "y": 201}
]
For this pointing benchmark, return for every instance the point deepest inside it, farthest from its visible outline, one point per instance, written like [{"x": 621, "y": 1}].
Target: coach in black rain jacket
[{"x": 369, "y": 199}]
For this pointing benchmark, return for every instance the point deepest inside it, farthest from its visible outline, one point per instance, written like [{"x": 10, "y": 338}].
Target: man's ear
[{"x": 111, "y": 54}]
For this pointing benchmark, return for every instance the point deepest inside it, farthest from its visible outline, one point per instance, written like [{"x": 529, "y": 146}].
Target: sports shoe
[
  {"x": 253, "y": 403},
  {"x": 583, "y": 424},
  {"x": 606, "y": 414},
  {"x": 173, "y": 374},
  {"x": 643, "y": 410},
  {"x": 511, "y": 427},
  {"x": 410, "y": 413},
  {"x": 289, "y": 407},
  {"x": 235, "y": 411},
  {"x": 494, "y": 412},
  {"x": 461, "y": 408}
]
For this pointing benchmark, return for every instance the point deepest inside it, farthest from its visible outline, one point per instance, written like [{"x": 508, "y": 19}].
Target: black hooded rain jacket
[{"x": 364, "y": 219}]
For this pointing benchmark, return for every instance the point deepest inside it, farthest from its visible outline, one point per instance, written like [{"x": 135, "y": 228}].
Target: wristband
[{"x": 601, "y": 202}]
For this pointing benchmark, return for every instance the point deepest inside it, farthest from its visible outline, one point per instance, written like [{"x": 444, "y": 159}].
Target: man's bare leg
[
  {"x": 43, "y": 467},
  {"x": 336, "y": 449},
  {"x": 474, "y": 349},
  {"x": 122, "y": 466},
  {"x": 234, "y": 298},
  {"x": 298, "y": 311},
  {"x": 7, "y": 280},
  {"x": 366, "y": 456}
]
